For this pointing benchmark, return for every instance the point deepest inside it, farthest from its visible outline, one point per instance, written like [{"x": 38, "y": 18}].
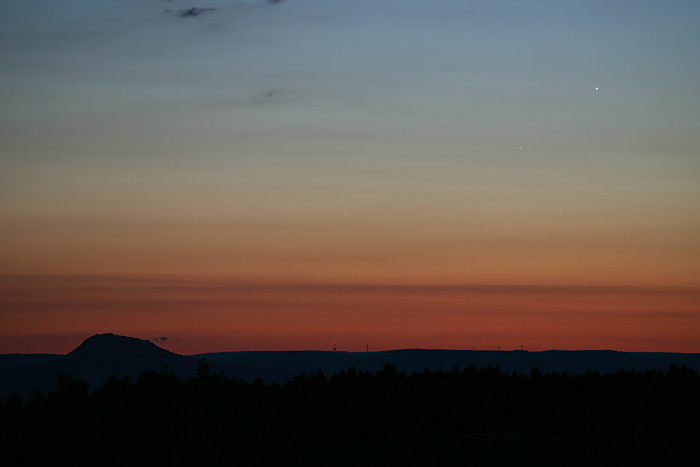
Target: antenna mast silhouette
[{"x": 333, "y": 345}]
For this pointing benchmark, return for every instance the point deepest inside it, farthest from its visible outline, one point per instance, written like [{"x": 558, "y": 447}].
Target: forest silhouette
[{"x": 465, "y": 416}]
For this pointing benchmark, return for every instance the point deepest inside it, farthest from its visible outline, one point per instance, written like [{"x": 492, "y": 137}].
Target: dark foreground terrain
[{"x": 463, "y": 416}]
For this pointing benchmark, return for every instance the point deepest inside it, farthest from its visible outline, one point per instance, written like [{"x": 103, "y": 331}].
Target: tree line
[{"x": 460, "y": 416}]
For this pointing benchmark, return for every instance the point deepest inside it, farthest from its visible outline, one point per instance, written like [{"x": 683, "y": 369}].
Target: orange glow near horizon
[{"x": 54, "y": 314}]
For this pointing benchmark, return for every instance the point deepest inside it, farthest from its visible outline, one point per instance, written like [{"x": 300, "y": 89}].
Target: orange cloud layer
[{"x": 53, "y": 313}]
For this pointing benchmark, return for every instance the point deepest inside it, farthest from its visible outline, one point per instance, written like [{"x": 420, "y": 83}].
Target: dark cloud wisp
[{"x": 190, "y": 12}]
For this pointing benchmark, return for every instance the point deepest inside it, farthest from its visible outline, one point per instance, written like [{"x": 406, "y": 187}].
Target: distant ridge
[
  {"x": 20, "y": 359},
  {"x": 416, "y": 360},
  {"x": 103, "y": 355}
]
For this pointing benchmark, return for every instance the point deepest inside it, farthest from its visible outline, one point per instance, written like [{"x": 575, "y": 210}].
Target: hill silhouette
[
  {"x": 103, "y": 355},
  {"x": 120, "y": 351},
  {"x": 95, "y": 360}
]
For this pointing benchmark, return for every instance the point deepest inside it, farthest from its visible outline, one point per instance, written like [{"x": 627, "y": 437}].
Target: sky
[{"x": 248, "y": 174}]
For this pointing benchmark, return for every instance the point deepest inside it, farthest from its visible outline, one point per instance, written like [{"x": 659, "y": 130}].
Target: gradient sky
[{"x": 340, "y": 147}]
